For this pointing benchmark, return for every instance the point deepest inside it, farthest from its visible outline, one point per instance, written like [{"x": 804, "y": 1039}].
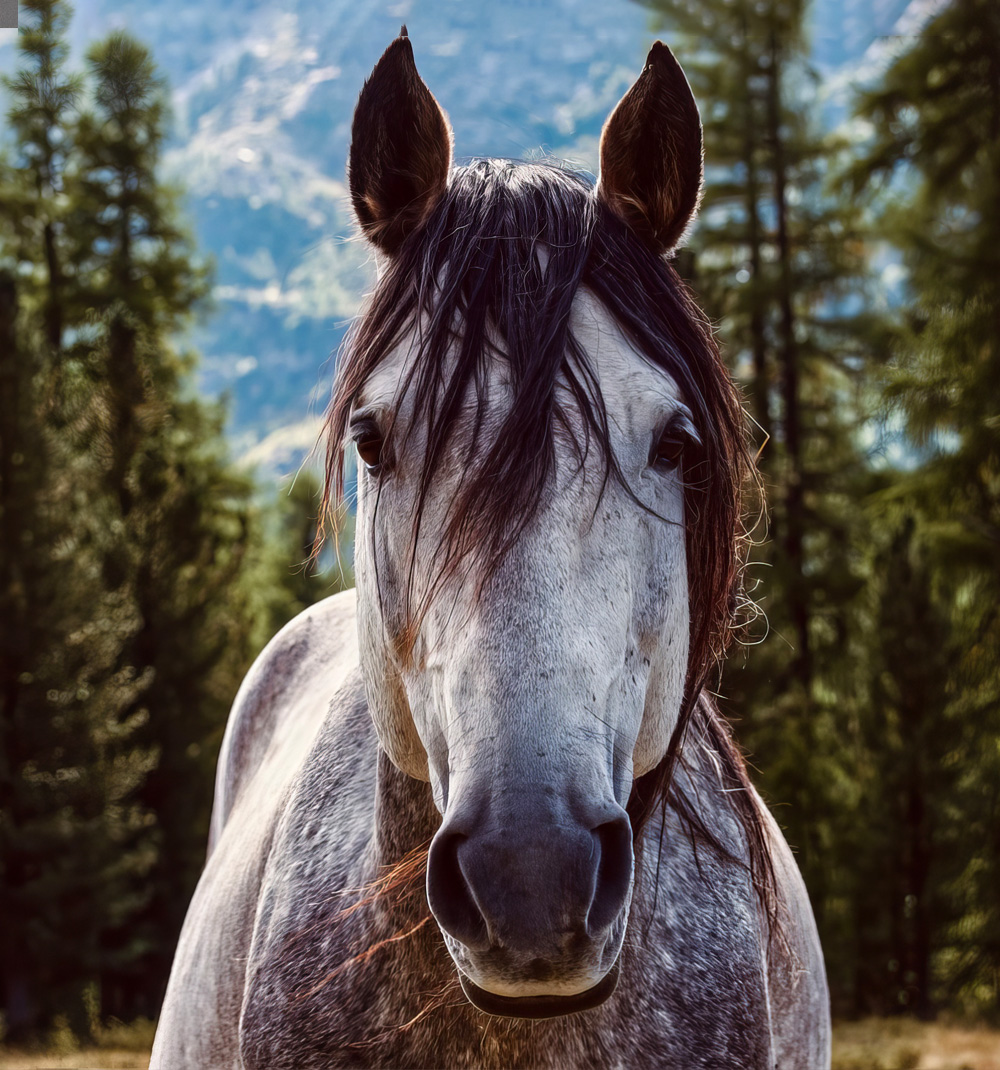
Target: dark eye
[
  {"x": 669, "y": 450},
  {"x": 370, "y": 451},
  {"x": 370, "y": 445}
]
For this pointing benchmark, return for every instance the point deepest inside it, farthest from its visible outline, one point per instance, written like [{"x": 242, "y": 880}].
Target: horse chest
[
  {"x": 382, "y": 992},
  {"x": 340, "y": 978}
]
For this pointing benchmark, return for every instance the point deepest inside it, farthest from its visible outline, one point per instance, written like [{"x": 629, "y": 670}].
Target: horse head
[{"x": 549, "y": 455}]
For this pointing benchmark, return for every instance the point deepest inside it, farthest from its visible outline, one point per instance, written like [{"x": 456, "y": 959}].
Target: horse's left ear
[
  {"x": 651, "y": 153},
  {"x": 400, "y": 149}
]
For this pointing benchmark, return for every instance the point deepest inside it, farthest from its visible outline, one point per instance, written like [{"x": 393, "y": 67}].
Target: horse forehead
[{"x": 630, "y": 384}]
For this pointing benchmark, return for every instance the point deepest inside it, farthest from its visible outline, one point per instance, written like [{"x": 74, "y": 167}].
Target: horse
[{"x": 482, "y": 810}]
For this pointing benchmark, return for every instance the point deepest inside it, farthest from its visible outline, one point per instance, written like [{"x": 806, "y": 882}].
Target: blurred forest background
[{"x": 853, "y": 268}]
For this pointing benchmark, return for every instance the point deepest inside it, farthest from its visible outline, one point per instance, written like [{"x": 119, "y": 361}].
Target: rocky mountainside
[{"x": 263, "y": 96}]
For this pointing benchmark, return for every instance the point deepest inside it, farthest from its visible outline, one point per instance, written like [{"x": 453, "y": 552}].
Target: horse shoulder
[
  {"x": 201, "y": 1007},
  {"x": 278, "y": 713},
  {"x": 729, "y": 993},
  {"x": 797, "y": 987},
  {"x": 285, "y": 694}
]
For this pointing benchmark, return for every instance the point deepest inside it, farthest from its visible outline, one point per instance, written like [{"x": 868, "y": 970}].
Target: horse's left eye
[
  {"x": 370, "y": 450},
  {"x": 370, "y": 444},
  {"x": 669, "y": 450}
]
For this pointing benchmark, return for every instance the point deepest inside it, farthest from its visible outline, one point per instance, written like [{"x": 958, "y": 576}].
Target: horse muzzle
[{"x": 533, "y": 912}]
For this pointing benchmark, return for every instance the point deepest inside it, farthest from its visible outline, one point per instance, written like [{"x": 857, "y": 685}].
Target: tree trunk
[
  {"x": 788, "y": 360},
  {"x": 758, "y": 340}
]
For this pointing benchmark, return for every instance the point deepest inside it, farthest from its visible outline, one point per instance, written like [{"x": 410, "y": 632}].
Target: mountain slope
[{"x": 263, "y": 100}]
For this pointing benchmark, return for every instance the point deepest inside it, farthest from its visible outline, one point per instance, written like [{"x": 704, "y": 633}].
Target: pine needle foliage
[
  {"x": 930, "y": 171},
  {"x": 139, "y": 570}
]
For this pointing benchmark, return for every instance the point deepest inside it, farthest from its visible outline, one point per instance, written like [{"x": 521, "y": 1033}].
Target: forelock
[{"x": 491, "y": 277}]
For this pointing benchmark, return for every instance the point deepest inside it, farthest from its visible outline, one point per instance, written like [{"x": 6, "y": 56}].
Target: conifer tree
[
  {"x": 43, "y": 95},
  {"x": 132, "y": 556},
  {"x": 69, "y": 826},
  {"x": 903, "y": 859},
  {"x": 933, "y": 167},
  {"x": 299, "y": 571},
  {"x": 175, "y": 521}
]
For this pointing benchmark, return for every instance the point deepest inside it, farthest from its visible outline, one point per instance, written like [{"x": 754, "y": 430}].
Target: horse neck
[{"x": 405, "y": 821}]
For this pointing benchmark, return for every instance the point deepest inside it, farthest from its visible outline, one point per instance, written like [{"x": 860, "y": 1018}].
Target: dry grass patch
[
  {"x": 119, "y": 1046},
  {"x": 902, "y": 1044},
  {"x": 874, "y": 1044},
  {"x": 94, "y": 1059}
]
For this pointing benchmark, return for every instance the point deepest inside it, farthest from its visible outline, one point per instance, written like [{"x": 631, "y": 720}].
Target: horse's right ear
[{"x": 400, "y": 149}]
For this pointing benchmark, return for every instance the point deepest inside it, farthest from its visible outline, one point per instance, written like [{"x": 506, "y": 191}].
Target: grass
[
  {"x": 902, "y": 1044},
  {"x": 88, "y": 1059},
  {"x": 874, "y": 1044},
  {"x": 119, "y": 1046}
]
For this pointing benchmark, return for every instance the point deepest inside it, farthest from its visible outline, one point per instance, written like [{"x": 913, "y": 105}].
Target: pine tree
[
  {"x": 306, "y": 571},
  {"x": 175, "y": 522},
  {"x": 932, "y": 165},
  {"x": 70, "y": 766},
  {"x": 907, "y": 773},
  {"x": 44, "y": 97},
  {"x": 134, "y": 560}
]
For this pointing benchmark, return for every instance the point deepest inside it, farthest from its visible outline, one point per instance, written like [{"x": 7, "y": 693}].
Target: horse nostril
[
  {"x": 491, "y": 890},
  {"x": 614, "y": 873},
  {"x": 449, "y": 895}
]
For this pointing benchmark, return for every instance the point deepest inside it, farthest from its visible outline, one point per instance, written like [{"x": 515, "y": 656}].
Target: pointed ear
[
  {"x": 651, "y": 153},
  {"x": 400, "y": 149}
]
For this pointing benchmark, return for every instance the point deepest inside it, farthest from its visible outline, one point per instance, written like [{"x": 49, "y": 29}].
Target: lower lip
[{"x": 540, "y": 1006}]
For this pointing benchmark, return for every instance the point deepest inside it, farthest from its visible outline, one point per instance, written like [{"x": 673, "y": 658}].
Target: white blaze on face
[{"x": 567, "y": 671}]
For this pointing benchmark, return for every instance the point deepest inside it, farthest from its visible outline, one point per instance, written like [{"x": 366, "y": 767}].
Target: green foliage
[
  {"x": 909, "y": 757},
  {"x": 299, "y": 571},
  {"x": 69, "y": 768},
  {"x": 932, "y": 169},
  {"x": 138, "y": 573}
]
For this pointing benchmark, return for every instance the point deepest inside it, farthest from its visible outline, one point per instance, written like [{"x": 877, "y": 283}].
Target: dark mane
[{"x": 471, "y": 279}]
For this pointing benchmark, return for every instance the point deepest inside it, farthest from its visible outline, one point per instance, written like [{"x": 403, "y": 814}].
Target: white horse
[{"x": 547, "y": 558}]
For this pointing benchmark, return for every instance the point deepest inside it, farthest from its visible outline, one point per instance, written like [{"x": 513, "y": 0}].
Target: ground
[
  {"x": 874, "y": 1044},
  {"x": 902, "y": 1044}
]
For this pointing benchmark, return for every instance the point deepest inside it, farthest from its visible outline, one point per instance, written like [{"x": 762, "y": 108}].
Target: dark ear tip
[
  {"x": 660, "y": 56},
  {"x": 402, "y": 31},
  {"x": 400, "y": 50}
]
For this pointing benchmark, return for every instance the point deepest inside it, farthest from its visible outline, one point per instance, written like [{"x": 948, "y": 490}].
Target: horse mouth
[{"x": 540, "y": 1006}]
